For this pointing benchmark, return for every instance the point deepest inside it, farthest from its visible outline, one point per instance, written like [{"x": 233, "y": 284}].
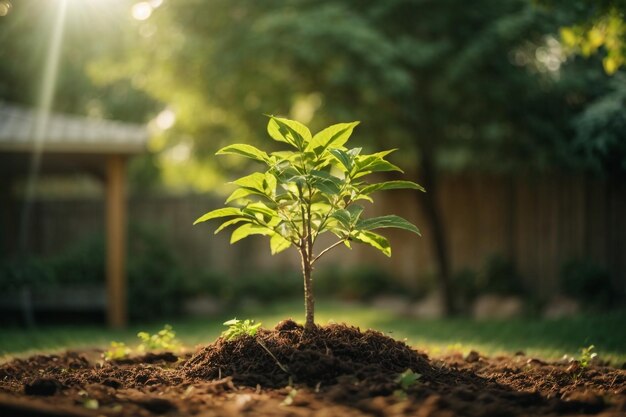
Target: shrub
[
  {"x": 155, "y": 276},
  {"x": 82, "y": 263},
  {"x": 499, "y": 276},
  {"x": 25, "y": 272},
  {"x": 155, "y": 283},
  {"x": 360, "y": 283},
  {"x": 466, "y": 288},
  {"x": 589, "y": 283},
  {"x": 265, "y": 286}
]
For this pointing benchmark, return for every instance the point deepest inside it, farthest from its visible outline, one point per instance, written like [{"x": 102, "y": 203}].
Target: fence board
[{"x": 539, "y": 222}]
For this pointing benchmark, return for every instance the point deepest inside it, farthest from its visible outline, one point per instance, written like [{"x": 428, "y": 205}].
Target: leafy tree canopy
[{"x": 482, "y": 87}]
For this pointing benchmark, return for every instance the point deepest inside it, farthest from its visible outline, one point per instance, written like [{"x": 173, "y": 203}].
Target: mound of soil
[
  {"x": 335, "y": 370},
  {"x": 273, "y": 358}
]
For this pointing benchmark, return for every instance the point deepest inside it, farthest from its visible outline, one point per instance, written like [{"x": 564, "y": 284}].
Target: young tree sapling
[{"x": 306, "y": 191}]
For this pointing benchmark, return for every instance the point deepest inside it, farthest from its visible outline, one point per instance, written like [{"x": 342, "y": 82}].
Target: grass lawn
[{"x": 536, "y": 337}]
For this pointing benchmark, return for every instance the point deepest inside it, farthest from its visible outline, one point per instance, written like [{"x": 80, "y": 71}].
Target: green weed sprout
[
  {"x": 586, "y": 356},
  {"x": 164, "y": 339},
  {"x": 239, "y": 328},
  {"x": 290, "y": 397},
  {"x": 406, "y": 380},
  {"x": 117, "y": 350},
  {"x": 308, "y": 190}
]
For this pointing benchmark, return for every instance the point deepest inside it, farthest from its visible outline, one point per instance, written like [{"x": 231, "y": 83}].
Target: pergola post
[{"x": 116, "y": 241}]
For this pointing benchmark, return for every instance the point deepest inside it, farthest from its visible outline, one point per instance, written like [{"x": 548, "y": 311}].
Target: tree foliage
[
  {"x": 594, "y": 27},
  {"x": 307, "y": 191}
]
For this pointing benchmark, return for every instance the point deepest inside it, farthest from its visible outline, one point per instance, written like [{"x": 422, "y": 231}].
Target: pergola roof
[
  {"x": 79, "y": 144},
  {"x": 69, "y": 134}
]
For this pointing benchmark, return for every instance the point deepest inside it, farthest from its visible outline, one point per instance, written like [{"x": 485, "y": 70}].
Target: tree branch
[{"x": 326, "y": 250}]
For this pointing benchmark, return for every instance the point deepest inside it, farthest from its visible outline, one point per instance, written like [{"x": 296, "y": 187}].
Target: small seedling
[
  {"x": 164, "y": 339},
  {"x": 88, "y": 403},
  {"x": 91, "y": 404},
  {"x": 406, "y": 380},
  {"x": 306, "y": 191},
  {"x": 290, "y": 397},
  {"x": 117, "y": 350},
  {"x": 586, "y": 356},
  {"x": 239, "y": 328},
  {"x": 578, "y": 366}
]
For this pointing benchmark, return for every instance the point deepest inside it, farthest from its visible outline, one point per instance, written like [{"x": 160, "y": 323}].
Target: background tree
[
  {"x": 591, "y": 26},
  {"x": 489, "y": 86},
  {"x": 482, "y": 86},
  {"x": 89, "y": 34}
]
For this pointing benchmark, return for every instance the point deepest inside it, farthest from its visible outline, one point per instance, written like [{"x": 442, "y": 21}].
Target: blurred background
[{"x": 510, "y": 113}]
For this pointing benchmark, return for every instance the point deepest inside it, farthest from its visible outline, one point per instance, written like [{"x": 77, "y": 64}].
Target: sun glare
[
  {"x": 5, "y": 8},
  {"x": 142, "y": 10},
  {"x": 165, "y": 119}
]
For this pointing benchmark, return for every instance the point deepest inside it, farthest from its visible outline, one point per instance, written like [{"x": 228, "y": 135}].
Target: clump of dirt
[
  {"x": 319, "y": 356},
  {"x": 334, "y": 370}
]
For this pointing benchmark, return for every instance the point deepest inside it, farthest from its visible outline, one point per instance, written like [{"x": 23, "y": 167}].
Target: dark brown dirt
[
  {"x": 336, "y": 370},
  {"x": 318, "y": 357}
]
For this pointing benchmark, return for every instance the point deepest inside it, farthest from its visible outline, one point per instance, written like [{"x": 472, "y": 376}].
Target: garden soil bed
[{"x": 336, "y": 370}]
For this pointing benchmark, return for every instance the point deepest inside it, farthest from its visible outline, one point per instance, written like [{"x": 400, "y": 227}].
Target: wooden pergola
[{"x": 72, "y": 145}]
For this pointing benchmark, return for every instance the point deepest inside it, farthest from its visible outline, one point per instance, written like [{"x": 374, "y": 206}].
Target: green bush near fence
[
  {"x": 590, "y": 284},
  {"x": 263, "y": 286},
  {"x": 497, "y": 276},
  {"x": 24, "y": 272},
  {"x": 360, "y": 283},
  {"x": 159, "y": 284},
  {"x": 155, "y": 276}
]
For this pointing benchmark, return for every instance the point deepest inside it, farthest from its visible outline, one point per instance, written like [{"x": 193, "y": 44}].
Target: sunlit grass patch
[{"x": 547, "y": 339}]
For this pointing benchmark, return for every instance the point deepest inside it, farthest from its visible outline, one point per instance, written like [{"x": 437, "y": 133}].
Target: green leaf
[
  {"x": 278, "y": 243},
  {"x": 249, "y": 229},
  {"x": 269, "y": 184},
  {"x": 367, "y": 164},
  {"x": 387, "y": 221},
  {"x": 289, "y": 131},
  {"x": 373, "y": 239},
  {"x": 255, "y": 182},
  {"x": 382, "y": 154},
  {"x": 334, "y": 136},
  {"x": 221, "y": 212},
  {"x": 239, "y": 193},
  {"x": 231, "y": 222},
  {"x": 407, "y": 379},
  {"x": 325, "y": 182},
  {"x": 355, "y": 211},
  {"x": 285, "y": 155},
  {"x": 247, "y": 151},
  {"x": 343, "y": 216},
  {"x": 344, "y": 158},
  {"x": 363, "y": 197},
  {"x": 259, "y": 208},
  {"x": 321, "y": 207},
  {"x": 391, "y": 185}
]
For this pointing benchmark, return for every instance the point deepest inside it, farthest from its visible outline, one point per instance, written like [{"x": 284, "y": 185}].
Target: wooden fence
[{"x": 540, "y": 223}]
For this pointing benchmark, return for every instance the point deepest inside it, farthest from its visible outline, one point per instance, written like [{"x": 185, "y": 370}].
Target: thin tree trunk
[
  {"x": 429, "y": 204},
  {"x": 309, "y": 300}
]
